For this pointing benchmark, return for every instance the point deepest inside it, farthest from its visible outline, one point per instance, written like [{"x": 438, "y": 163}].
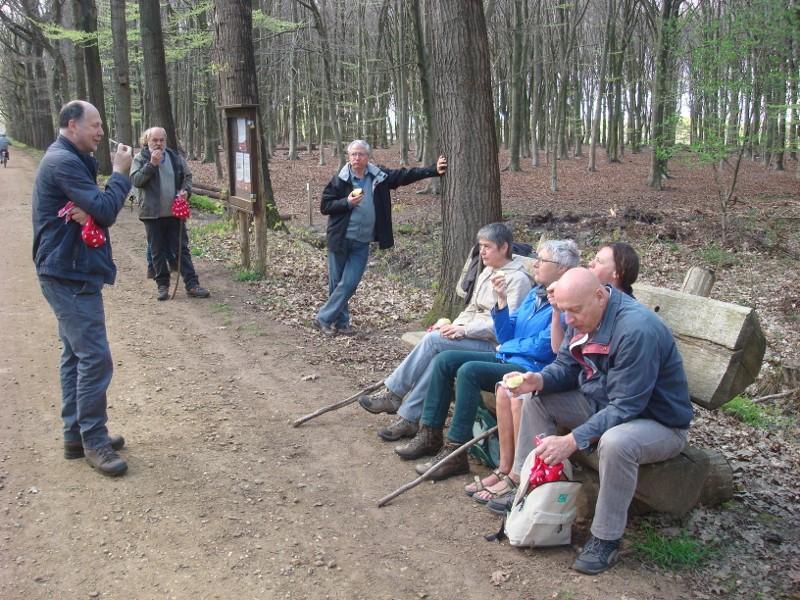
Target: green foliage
[
  {"x": 755, "y": 415},
  {"x": 205, "y": 204},
  {"x": 274, "y": 25},
  {"x": 716, "y": 256},
  {"x": 247, "y": 275},
  {"x": 211, "y": 229},
  {"x": 55, "y": 32},
  {"x": 744, "y": 409},
  {"x": 405, "y": 228},
  {"x": 186, "y": 42},
  {"x": 673, "y": 553}
]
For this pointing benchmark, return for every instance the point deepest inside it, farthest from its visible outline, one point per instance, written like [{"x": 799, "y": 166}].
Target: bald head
[
  {"x": 583, "y": 299},
  {"x": 80, "y": 122}
]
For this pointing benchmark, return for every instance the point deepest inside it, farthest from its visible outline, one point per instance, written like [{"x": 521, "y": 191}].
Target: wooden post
[
  {"x": 698, "y": 281},
  {"x": 244, "y": 238},
  {"x": 310, "y": 207},
  {"x": 259, "y": 216}
]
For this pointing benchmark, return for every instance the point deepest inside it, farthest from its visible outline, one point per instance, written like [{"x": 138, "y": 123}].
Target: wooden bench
[{"x": 722, "y": 347}]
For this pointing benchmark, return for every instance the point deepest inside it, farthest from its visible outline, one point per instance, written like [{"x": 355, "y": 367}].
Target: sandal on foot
[
  {"x": 506, "y": 486},
  {"x": 478, "y": 485}
]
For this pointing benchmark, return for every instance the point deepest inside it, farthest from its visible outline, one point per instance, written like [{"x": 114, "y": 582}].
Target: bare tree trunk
[
  {"x": 612, "y": 11},
  {"x": 80, "y": 68},
  {"x": 322, "y": 31},
  {"x": 464, "y": 113},
  {"x": 94, "y": 78},
  {"x": 156, "y": 90},
  {"x": 238, "y": 84},
  {"x": 122, "y": 84},
  {"x": 665, "y": 36},
  {"x": 536, "y": 93},
  {"x": 515, "y": 127},
  {"x": 402, "y": 83},
  {"x": 426, "y": 85},
  {"x": 293, "y": 90}
]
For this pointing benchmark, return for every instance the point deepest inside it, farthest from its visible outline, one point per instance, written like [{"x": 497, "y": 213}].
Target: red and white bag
[
  {"x": 180, "y": 206},
  {"x": 91, "y": 233}
]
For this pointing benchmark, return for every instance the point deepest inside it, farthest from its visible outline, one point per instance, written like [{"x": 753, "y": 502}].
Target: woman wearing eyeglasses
[
  {"x": 524, "y": 341},
  {"x": 615, "y": 264}
]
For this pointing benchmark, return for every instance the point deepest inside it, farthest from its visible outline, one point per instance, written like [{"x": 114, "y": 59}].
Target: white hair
[{"x": 362, "y": 143}]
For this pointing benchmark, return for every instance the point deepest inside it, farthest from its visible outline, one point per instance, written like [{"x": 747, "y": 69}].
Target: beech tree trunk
[
  {"x": 238, "y": 84},
  {"x": 94, "y": 79},
  {"x": 465, "y": 120},
  {"x": 122, "y": 84},
  {"x": 156, "y": 85},
  {"x": 665, "y": 37}
]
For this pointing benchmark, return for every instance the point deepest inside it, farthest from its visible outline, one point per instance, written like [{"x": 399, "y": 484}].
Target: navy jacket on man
[
  {"x": 334, "y": 201},
  {"x": 67, "y": 174},
  {"x": 630, "y": 369}
]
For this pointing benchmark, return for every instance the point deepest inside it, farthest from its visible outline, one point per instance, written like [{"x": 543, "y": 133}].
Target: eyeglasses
[
  {"x": 358, "y": 154},
  {"x": 539, "y": 259}
]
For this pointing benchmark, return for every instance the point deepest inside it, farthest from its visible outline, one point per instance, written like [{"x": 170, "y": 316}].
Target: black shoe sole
[
  {"x": 419, "y": 455},
  {"x": 390, "y": 438},
  {"x": 587, "y": 570},
  {"x": 110, "y": 473},
  {"x": 76, "y": 451},
  {"x": 434, "y": 477}
]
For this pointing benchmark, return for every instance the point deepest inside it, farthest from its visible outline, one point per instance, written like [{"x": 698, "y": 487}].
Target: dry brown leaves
[{"x": 758, "y": 534}]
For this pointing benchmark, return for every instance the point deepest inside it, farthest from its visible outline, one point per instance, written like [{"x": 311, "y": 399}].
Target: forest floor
[{"x": 224, "y": 499}]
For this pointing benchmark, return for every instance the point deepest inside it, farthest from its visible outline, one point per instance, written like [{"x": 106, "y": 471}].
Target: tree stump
[{"x": 698, "y": 281}]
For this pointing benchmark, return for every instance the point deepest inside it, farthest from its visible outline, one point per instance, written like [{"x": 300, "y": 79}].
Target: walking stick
[
  {"x": 178, "y": 274},
  {"x": 463, "y": 448},
  {"x": 337, "y": 405}
]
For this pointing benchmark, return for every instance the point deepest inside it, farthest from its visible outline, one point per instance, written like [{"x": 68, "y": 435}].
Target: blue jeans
[
  {"x": 86, "y": 365},
  {"x": 412, "y": 376},
  {"x": 345, "y": 269},
  {"x": 473, "y": 371}
]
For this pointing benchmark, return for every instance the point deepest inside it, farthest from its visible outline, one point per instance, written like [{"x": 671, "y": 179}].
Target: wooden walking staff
[
  {"x": 339, "y": 404},
  {"x": 178, "y": 274},
  {"x": 463, "y": 448}
]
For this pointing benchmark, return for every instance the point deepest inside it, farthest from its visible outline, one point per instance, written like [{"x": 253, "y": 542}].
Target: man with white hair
[
  {"x": 359, "y": 209},
  {"x": 160, "y": 173}
]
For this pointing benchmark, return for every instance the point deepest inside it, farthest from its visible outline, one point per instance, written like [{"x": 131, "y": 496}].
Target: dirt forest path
[{"x": 223, "y": 499}]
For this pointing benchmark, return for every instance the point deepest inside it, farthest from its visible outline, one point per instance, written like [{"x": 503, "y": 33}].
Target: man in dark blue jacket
[
  {"x": 359, "y": 210},
  {"x": 618, "y": 383},
  {"x": 72, "y": 274}
]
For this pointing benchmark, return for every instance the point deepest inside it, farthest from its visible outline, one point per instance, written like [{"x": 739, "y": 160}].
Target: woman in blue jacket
[{"x": 524, "y": 341}]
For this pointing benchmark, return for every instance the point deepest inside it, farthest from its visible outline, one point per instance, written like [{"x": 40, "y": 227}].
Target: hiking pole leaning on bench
[
  {"x": 463, "y": 448},
  {"x": 339, "y": 404}
]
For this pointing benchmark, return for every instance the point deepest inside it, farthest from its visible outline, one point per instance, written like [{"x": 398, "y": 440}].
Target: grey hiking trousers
[{"x": 621, "y": 450}]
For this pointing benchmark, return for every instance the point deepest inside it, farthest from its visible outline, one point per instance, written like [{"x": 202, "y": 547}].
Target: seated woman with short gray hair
[{"x": 473, "y": 329}]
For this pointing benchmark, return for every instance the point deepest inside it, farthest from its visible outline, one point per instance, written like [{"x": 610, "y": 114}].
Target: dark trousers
[
  {"x": 472, "y": 371},
  {"x": 162, "y": 237}
]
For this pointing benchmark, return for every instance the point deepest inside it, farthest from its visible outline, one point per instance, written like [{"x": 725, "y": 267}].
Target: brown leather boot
[
  {"x": 428, "y": 441},
  {"x": 458, "y": 465}
]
